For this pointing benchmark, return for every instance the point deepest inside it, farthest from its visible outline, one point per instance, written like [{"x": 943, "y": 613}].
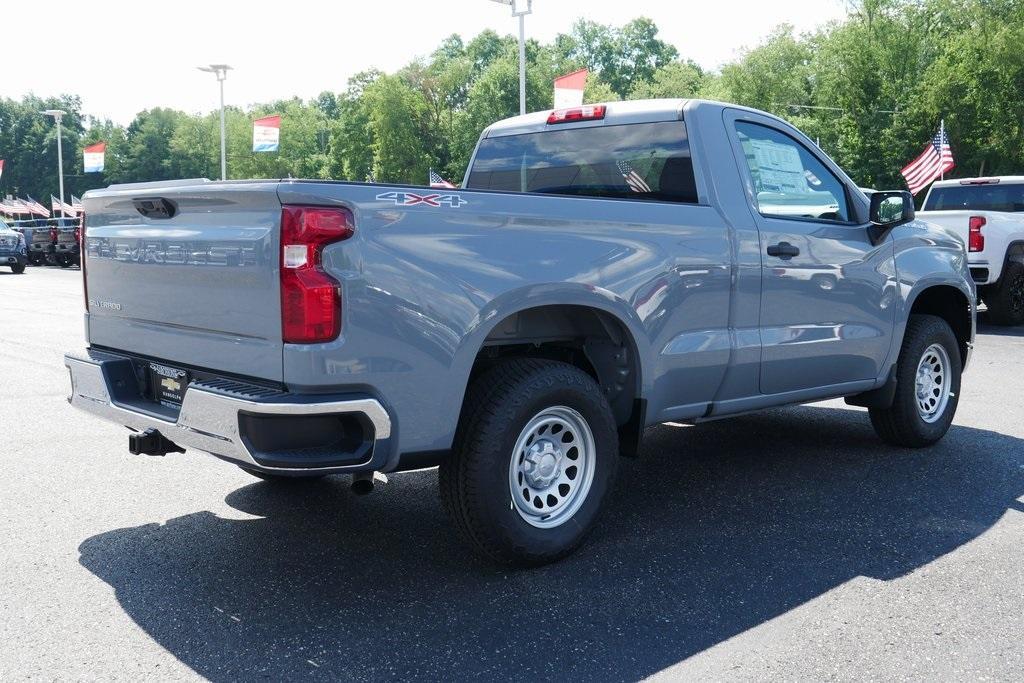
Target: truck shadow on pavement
[{"x": 716, "y": 530}]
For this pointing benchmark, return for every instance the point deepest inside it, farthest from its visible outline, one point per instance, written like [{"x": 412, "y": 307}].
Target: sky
[{"x": 124, "y": 57}]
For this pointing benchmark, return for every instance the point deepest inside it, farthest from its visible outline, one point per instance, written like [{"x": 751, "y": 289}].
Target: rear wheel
[
  {"x": 64, "y": 261},
  {"x": 1005, "y": 300},
  {"x": 927, "y": 386},
  {"x": 534, "y": 458}
]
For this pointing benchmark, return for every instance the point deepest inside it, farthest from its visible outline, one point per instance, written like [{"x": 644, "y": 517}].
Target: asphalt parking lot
[{"x": 787, "y": 545}]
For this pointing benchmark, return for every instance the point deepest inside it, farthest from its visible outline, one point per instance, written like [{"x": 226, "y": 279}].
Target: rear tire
[
  {"x": 534, "y": 457},
  {"x": 927, "y": 386},
  {"x": 64, "y": 261},
  {"x": 1005, "y": 300}
]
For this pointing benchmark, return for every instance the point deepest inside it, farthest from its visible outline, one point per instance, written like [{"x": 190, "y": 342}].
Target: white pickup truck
[{"x": 988, "y": 213}]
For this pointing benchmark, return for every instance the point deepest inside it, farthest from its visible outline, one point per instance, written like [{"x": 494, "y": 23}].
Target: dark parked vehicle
[
  {"x": 53, "y": 241},
  {"x": 12, "y": 248}
]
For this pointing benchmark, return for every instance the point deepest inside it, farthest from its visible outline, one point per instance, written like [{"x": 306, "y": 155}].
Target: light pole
[
  {"x": 57, "y": 114},
  {"x": 221, "y": 71},
  {"x": 520, "y": 8}
]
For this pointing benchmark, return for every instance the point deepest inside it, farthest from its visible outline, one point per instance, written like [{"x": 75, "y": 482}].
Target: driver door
[{"x": 828, "y": 294}]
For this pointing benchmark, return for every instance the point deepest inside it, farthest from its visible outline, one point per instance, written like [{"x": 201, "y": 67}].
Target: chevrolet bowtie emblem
[{"x": 170, "y": 384}]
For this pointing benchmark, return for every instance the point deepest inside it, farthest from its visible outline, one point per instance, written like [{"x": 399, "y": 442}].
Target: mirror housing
[{"x": 889, "y": 210}]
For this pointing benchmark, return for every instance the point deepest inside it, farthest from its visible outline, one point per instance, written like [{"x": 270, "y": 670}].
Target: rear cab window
[
  {"x": 1008, "y": 197},
  {"x": 639, "y": 161}
]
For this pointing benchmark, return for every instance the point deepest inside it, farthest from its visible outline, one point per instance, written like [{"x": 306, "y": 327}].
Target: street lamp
[
  {"x": 520, "y": 8},
  {"x": 57, "y": 114},
  {"x": 221, "y": 71}
]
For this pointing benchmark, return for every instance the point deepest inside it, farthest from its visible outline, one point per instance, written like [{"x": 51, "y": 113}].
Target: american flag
[
  {"x": 76, "y": 204},
  {"x": 633, "y": 179},
  {"x": 437, "y": 181},
  {"x": 57, "y": 205},
  {"x": 16, "y": 206},
  {"x": 36, "y": 208},
  {"x": 936, "y": 159}
]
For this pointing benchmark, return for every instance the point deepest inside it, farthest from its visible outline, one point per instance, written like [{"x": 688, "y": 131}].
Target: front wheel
[
  {"x": 927, "y": 386},
  {"x": 1005, "y": 300},
  {"x": 18, "y": 268},
  {"x": 535, "y": 456}
]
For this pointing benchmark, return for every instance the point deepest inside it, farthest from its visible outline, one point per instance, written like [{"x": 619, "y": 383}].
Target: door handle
[{"x": 783, "y": 250}]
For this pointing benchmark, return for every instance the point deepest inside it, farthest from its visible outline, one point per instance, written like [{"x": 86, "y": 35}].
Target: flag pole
[{"x": 942, "y": 141}]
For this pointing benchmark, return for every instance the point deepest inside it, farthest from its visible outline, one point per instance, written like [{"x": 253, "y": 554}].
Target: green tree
[
  {"x": 397, "y": 115},
  {"x": 676, "y": 79},
  {"x": 622, "y": 57},
  {"x": 352, "y": 141},
  {"x": 772, "y": 77}
]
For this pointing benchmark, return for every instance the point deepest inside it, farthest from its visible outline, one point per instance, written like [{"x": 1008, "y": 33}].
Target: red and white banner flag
[
  {"x": 1, "y": 168},
  {"x": 266, "y": 134},
  {"x": 569, "y": 89},
  {"x": 93, "y": 157}
]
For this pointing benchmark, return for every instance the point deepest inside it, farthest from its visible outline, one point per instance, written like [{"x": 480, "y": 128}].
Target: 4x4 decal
[{"x": 453, "y": 201}]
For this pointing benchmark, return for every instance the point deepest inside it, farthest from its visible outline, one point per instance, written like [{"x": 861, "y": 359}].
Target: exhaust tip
[{"x": 363, "y": 483}]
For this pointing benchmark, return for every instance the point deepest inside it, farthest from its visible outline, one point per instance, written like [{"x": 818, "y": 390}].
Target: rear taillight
[
  {"x": 585, "y": 113},
  {"x": 53, "y": 235},
  {"x": 310, "y": 298},
  {"x": 976, "y": 240}
]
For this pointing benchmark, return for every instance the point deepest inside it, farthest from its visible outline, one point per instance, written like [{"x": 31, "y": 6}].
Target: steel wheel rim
[
  {"x": 932, "y": 383},
  {"x": 552, "y": 467}
]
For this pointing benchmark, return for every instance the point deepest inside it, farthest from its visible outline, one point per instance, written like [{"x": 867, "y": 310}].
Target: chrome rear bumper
[{"x": 209, "y": 416}]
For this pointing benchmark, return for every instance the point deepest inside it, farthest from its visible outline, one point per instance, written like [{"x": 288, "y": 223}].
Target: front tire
[
  {"x": 927, "y": 386},
  {"x": 18, "y": 268},
  {"x": 1005, "y": 300},
  {"x": 535, "y": 456}
]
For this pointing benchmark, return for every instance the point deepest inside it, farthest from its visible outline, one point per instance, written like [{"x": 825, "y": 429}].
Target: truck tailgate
[{"x": 200, "y": 287}]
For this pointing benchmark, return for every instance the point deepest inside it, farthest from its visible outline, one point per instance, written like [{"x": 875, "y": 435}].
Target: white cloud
[{"x": 127, "y": 56}]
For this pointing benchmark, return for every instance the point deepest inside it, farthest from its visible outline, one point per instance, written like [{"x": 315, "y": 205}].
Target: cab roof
[{"x": 616, "y": 113}]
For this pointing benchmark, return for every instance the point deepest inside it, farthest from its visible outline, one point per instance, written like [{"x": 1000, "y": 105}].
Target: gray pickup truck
[{"x": 603, "y": 269}]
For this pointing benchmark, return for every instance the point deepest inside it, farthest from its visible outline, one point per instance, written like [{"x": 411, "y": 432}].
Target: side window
[{"x": 789, "y": 181}]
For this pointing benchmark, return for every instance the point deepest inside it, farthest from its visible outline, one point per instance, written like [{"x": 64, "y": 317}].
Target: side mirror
[{"x": 888, "y": 210}]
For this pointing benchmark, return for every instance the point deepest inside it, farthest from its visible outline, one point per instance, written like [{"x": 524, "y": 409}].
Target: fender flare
[{"x": 553, "y": 294}]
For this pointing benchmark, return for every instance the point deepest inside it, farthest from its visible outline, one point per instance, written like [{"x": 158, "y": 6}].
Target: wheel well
[
  {"x": 1014, "y": 252},
  {"x": 588, "y": 338},
  {"x": 950, "y": 304}
]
